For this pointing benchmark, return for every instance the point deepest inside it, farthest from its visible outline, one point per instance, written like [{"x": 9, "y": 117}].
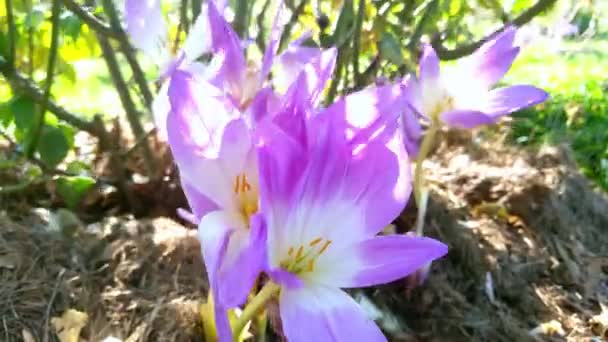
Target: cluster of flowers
[{"x": 290, "y": 194}]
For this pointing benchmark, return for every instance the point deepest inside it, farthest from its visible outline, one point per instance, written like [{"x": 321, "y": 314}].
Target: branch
[
  {"x": 428, "y": 11},
  {"x": 125, "y": 98},
  {"x": 128, "y": 51},
  {"x": 50, "y": 72},
  {"x": 12, "y": 33},
  {"x": 357, "y": 41},
  {"x": 289, "y": 26},
  {"x": 92, "y": 21},
  {"x": 464, "y": 50},
  {"x": 22, "y": 84}
]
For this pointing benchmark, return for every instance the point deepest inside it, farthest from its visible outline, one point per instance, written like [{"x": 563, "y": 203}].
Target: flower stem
[
  {"x": 420, "y": 191},
  {"x": 254, "y": 307},
  {"x": 425, "y": 149}
]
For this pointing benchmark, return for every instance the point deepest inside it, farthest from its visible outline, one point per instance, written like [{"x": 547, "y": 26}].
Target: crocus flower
[
  {"x": 148, "y": 32},
  {"x": 462, "y": 96},
  {"x": 329, "y": 182},
  {"x": 211, "y": 132}
]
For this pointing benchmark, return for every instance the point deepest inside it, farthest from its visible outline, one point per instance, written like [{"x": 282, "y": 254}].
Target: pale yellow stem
[{"x": 254, "y": 307}]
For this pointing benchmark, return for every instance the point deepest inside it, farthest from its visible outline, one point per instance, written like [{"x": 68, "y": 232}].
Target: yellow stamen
[
  {"x": 300, "y": 251},
  {"x": 290, "y": 253},
  {"x": 315, "y": 241},
  {"x": 311, "y": 265},
  {"x": 241, "y": 185},
  {"x": 327, "y": 243}
]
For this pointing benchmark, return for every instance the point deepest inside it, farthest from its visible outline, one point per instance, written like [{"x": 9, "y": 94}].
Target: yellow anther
[
  {"x": 311, "y": 265},
  {"x": 327, "y": 243},
  {"x": 315, "y": 241},
  {"x": 240, "y": 184},
  {"x": 299, "y": 254},
  {"x": 290, "y": 253}
]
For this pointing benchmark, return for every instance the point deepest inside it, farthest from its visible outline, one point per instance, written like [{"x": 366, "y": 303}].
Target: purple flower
[
  {"x": 148, "y": 32},
  {"x": 461, "y": 95},
  {"x": 212, "y": 132},
  {"x": 329, "y": 182}
]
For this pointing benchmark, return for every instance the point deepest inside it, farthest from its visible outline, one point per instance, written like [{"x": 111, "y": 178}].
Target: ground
[{"x": 527, "y": 260}]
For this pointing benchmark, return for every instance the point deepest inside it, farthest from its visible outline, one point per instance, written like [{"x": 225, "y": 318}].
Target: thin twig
[
  {"x": 50, "y": 72},
  {"x": 241, "y": 17},
  {"x": 125, "y": 99},
  {"x": 196, "y": 9},
  {"x": 92, "y": 21},
  {"x": 22, "y": 84},
  {"x": 290, "y": 24},
  {"x": 50, "y": 305},
  {"x": 128, "y": 51},
  {"x": 12, "y": 33},
  {"x": 30, "y": 43},
  {"x": 357, "y": 41},
  {"x": 138, "y": 143},
  {"x": 467, "y": 49},
  {"x": 183, "y": 16},
  {"x": 260, "y": 40},
  {"x": 415, "y": 38}
]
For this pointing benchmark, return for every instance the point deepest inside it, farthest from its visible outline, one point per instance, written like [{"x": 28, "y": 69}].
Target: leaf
[
  {"x": 70, "y": 24},
  {"x": 53, "y": 145},
  {"x": 24, "y": 112},
  {"x": 5, "y": 114},
  {"x": 69, "y": 325},
  {"x": 33, "y": 19},
  {"x": 391, "y": 49},
  {"x": 73, "y": 189}
]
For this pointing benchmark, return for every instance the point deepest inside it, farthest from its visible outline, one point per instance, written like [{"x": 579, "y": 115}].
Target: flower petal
[
  {"x": 160, "y": 110},
  {"x": 225, "y": 40},
  {"x": 429, "y": 64},
  {"x": 324, "y": 314},
  {"x": 243, "y": 262},
  {"x": 273, "y": 45},
  {"x": 214, "y": 233},
  {"x": 199, "y": 39},
  {"x": 507, "y": 100},
  {"x": 146, "y": 26},
  {"x": 332, "y": 189},
  {"x": 494, "y": 69},
  {"x": 233, "y": 255},
  {"x": 213, "y": 149},
  {"x": 369, "y": 113},
  {"x": 316, "y": 71},
  {"x": 200, "y": 205},
  {"x": 466, "y": 118},
  {"x": 380, "y": 260}
]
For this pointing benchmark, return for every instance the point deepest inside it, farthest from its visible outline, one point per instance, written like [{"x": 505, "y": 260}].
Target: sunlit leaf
[
  {"x": 23, "y": 110},
  {"x": 391, "y": 49},
  {"x": 53, "y": 145},
  {"x": 5, "y": 114},
  {"x": 33, "y": 19},
  {"x": 73, "y": 189}
]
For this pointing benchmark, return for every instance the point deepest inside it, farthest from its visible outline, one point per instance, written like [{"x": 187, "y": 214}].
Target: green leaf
[
  {"x": 24, "y": 112},
  {"x": 391, "y": 49},
  {"x": 53, "y": 145},
  {"x": 33, "y": 19},
  {"x": 70, "y": 24},
  {"x": 73, "y": 189},
  {"x": 5, "y": 114}
]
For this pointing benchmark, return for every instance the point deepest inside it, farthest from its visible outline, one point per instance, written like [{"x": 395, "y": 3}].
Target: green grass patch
[{"x": 576, "y": 76}]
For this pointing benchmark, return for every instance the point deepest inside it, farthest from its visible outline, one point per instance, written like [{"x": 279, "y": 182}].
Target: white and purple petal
[
  {"x": 507, "y": 100},
  {"x": 324, "y": 314},
  {"x": 146, "y": 27}
]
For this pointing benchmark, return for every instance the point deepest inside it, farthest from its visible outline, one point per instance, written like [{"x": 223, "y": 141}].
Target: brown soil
[{"x": 528, "y": 260}]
